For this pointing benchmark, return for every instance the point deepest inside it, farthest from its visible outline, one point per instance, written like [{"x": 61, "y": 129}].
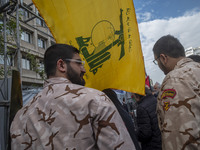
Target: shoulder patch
[
  {"x": 168, "y": 93},
  {"x": 166, "y": 106}
]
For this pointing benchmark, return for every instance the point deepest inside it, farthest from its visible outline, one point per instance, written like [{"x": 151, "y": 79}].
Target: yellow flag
[{"x": 106, "y": 33}]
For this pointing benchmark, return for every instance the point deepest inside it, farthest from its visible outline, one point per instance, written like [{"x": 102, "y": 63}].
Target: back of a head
[
  {"x": 170, "y": 46},
  {"x": 157, "y": 86},
  {"x": 195, "y": 58},
  {"x": 54, "y": 53}
]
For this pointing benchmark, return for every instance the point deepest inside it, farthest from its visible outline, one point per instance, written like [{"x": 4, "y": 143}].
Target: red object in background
[{"x": 147, "y": 82}]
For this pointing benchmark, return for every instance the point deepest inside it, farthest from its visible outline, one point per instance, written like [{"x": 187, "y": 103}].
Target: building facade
[
  {"x": 35, "y": 37},
  {"x": 192, "y": 51}
]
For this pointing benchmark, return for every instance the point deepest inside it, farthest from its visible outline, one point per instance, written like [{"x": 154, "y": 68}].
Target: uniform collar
[
  {"x": 56, "y": 80},
  {"x": 182, "y": 62}
]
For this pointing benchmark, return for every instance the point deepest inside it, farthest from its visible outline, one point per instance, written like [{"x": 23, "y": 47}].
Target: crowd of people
[{"x": 67, "y": 115}]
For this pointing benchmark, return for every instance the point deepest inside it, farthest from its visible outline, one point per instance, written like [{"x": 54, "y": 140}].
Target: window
[
  {"x": 26, "y": 64},
  {"x": 3, "y": 3},
  {"x": 1, "y": 23},
  {"x": 26, "y": 36},
  {"x": 41, "y": 43},
  {"x": 24, "y": 12},
  {"x": 41, "y": 66},
  {"x": 10, "y": 60},
  {"x": 39, "y": 21}
]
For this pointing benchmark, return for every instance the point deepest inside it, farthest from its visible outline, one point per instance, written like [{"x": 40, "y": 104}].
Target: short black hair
[
  {"x": 195, "y": 58},
  {"x": 169, "y": 45},
  {"x": 54, "y": 53}
]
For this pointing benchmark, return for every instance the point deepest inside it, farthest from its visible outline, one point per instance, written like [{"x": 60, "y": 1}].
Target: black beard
[
  {"x": 164, "y": 69},
  {"x": 74, "y": 77}
]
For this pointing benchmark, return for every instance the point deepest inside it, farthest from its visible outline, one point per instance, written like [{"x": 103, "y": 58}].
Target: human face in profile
[
  {"x": 159, "y": 60},
  {"x": 76, "y": 70}
]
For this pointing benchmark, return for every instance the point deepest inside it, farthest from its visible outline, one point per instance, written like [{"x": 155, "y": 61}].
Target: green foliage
[
  {"x": 1, "y": 71},
  {"x": 42, "y": 74},
  {"x": 35, "y": 66},
  {"x": 9, "y": 71},
  {"x": 10, "y": 30}
]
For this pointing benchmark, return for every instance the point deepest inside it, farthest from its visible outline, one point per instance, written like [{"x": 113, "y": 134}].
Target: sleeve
[
  {"x": 176, "y": 113},
  {"x": 110, "y": 131},
  {"x": 144, "y": 125}
]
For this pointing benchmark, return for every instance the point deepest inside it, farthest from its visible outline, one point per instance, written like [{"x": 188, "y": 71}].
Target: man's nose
[{"x": 83, "y": 69}]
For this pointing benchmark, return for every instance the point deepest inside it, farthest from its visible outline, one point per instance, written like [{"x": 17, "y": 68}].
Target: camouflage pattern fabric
[
  {"x": 65, "y": 116},
  {"x": 178, "y": 107}
]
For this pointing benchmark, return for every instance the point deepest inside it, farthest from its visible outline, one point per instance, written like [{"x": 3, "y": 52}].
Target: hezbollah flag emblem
[{"x": 106, "y": 33}]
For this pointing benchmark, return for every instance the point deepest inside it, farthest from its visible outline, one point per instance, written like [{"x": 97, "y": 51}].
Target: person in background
[
  {"x": 178, "y": 105},
  {"x": 156, "y": 89},
  {"x": 148, "y": 131},
  {"x": 66, "y": 114},
  {"x": 125, "y": 116},
  {"x": 195, "y": 58}
]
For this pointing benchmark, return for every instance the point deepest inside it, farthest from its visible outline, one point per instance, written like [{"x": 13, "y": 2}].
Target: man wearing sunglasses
[
  {"x": 178, "y": 105},
  {"x": 65, "y": 115}
]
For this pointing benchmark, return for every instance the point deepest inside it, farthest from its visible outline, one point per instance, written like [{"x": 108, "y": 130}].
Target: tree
[{"x": 11, "y": 29}]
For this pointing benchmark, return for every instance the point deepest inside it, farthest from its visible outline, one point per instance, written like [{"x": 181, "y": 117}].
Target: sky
[{"x": 156, "y": 18}]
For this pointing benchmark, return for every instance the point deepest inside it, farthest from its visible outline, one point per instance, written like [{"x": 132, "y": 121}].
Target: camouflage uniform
[
  {"x": 179, "y": 107},
  {"x": 65, "y": 116}
]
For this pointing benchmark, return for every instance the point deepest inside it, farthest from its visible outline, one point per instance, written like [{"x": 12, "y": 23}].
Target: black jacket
[
  {"x": 124, "y": 115},
  {"x": 148, "y": 131}
]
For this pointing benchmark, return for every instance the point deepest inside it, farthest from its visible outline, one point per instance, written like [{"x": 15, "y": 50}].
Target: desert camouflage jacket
[
  {"x": 179, "y": 107},
  {"x": 65, "y": 116}
]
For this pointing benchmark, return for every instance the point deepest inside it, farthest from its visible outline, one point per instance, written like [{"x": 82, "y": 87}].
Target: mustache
[{"x": 82, "y": 74}]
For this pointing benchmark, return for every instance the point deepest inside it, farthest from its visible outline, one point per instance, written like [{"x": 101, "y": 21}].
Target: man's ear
[
  {"x": 61, "y": 65},
  {"x": 164, "y": 59}
]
